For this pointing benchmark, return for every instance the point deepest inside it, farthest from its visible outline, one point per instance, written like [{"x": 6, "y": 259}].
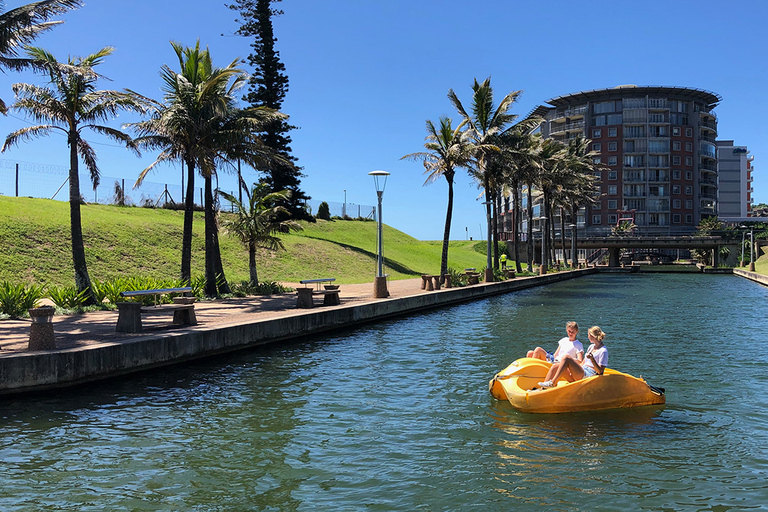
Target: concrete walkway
[
  {"x": 88, "y": 348},
  {"x": 82, "y": 330}
]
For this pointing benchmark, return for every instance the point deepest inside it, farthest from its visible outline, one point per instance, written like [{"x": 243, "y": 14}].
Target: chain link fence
[{"x": 25, "y": 179}]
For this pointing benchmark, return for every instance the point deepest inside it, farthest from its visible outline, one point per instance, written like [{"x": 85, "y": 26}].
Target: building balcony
[
  {"x": 707, "y": 210},
  {"x": 708, "y": 195},
  {"x": 708, "y": 166},
  {"x": 708, "y": 124},
  {"x": 707, "y": 137},
  {"x": 566, "y": 127},
  {"x": 571, "y": 112},
  {"x": 708, "y": 182}
]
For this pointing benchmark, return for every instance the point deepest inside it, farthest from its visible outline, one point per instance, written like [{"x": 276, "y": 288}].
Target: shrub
[
  {"x": 263, "y": 288},
  {"x": 458, "y": 279},
  {"x": 15, "y": 300},
  {"x": 67, "y": 297},
  {"x": 323, "y": 211}
]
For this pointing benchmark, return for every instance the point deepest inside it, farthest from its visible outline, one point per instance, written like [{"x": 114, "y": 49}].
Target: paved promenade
[{"x": 97, "y": 327}]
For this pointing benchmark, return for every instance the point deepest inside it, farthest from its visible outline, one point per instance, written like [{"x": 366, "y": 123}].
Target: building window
[
  {"x": 675, "y": 131},
  {"x": 689, "y": 190},
  {"x": 596, "y": 134},
  {"x": 676, "y": 218},
  {"x": 612, "y": 132},
  {"x": 613, "y": 175},
  {"x": 597, "y": 205},
  {"x": 689, "y": 175},
  {"x": 689, "y": 146},
  {"x": 675, "y": 175},
  {"x": 613, "y": 219},
  {"x": 611, "y": 204},
  {"x": 689, "y": 219},
  {"x": 612, "y": 190},
  {"x": 598, "y": 175},
  {"x": 675, "y": 160},
  {"x": 613, "y": 146},
  {"x": 676, "y": 204},
  {"x": 689, "y": 132},
  {"x": 675, "y": 189},
  {"x": 612, "y": 160},
  {"x": 689, "y": 204},
  {"x": 689, "y": 160},
  {"x": 596, "y": 146},
  {"x": 676, "y": 145},
  {"x": 597, "y": 219},
  {"x": 597, "y": 160}
]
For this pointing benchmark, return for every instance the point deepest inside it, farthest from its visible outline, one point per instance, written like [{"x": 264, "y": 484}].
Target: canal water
[{"x": 397, "y": 416}]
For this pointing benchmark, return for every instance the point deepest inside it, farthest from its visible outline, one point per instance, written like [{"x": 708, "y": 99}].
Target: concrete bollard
[{"x": 41, "y": 335}]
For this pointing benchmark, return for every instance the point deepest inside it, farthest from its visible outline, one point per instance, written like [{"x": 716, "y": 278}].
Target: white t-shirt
[
  {"x": 600, "y": 355},
  {"x": 569, "y": 347}
]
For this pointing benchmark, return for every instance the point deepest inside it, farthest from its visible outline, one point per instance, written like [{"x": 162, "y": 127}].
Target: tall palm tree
[
  {"x": 581, "y": 190},
  {"x": 552, "y": 156},
  {"x": 445, "y": 152},
  {"x": 199, "y": 124},
  {"x": 20, "y": 26},
  {"x": 257, "y": 222},
  {"x": 484, "y": 124},
  {"x": 71, "y": 105}
]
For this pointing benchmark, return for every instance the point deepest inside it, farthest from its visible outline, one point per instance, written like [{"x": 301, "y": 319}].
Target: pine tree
[{"x": 267, "y": 87}]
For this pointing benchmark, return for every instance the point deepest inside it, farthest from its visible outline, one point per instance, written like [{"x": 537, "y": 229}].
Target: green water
[{"x": 397, "y": 416}]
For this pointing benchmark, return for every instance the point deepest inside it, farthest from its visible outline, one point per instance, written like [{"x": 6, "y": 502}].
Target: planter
[{"x": 41, "y": 335}]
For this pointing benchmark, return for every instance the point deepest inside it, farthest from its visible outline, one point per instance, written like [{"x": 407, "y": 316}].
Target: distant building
[
  {"x": 734, "y": 177},
  {"x": 658, "y": 146}
]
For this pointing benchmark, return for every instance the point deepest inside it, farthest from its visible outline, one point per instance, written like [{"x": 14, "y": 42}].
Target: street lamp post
[
  {"x": 344, "y": 208},
  {"x": 543, "y": 267},
  {"x": 489, "y": 261},
  {"x": 743, "y": 233},
  {"x": 751, "y": 250},
  {"x": 380, "y": 281}
]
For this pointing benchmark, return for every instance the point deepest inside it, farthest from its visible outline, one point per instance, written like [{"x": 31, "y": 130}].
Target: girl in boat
[
  {"x": 568, "y": 345},
  {"x": 594, "y": 363}
]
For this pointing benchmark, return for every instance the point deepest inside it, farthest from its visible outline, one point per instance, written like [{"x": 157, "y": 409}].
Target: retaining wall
[{"x": 62, "y": 368}]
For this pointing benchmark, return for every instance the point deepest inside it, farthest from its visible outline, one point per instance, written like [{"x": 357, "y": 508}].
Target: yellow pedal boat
[{"x": 612, "y": 390}]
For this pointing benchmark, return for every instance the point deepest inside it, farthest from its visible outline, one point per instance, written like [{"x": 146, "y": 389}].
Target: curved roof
[{"x": 624, "y": 91}]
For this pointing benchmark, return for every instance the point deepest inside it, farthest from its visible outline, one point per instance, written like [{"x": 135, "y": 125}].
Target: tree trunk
[
  {"x": 189, "y": 213},
  {"x": 221, "y": 280},
  {"x": 531, "y": 243},
  {"x": 562, "y": 235},
  {"x": 252, "y": 264},
  {"x": 495, "y": 229},
  {"x": 574, "y": 252},
  {"x": 211, "y": 289},
  {"x": 447, "y": 231},
  {"x": 516, "y": 227},
  {"x": 489, "y": 253},
  {"x": 544, "y": 235},
  {"x": 82, "y": 279}
]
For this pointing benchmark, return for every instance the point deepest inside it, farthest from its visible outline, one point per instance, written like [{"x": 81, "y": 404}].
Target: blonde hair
[
  {"x": 573, "y": 325},
  {"x": 597, "y": 333}
]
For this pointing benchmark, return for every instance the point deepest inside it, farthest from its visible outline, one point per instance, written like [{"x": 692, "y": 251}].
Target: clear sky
[{"x": 365, "y": 76}]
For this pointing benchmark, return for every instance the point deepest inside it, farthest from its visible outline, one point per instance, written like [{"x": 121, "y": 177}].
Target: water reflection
[{"x": 396, "y": 416}]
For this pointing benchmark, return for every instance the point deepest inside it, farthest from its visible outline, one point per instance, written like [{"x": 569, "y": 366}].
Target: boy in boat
[
  {"x": 566, "y": 346},
  {"x": 573, "y": 370}
]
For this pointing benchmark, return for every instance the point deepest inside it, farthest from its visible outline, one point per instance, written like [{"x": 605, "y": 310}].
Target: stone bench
[
  {"x": 129, "y": 313},
  {"x": 329, "y": 292}
]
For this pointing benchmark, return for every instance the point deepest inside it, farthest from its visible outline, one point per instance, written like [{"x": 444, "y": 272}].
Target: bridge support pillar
[{"x": 613, "y": 256}]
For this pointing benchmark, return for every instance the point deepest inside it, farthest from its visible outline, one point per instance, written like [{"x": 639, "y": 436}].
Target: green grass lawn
[{"x": 129, "y": 241}]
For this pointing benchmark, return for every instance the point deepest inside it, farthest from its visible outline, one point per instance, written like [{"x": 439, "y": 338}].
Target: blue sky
[{"x": 366, "y": 75}]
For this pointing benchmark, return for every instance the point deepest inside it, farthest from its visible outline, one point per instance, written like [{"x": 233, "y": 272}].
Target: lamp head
[{"x": 379, "y": 179}]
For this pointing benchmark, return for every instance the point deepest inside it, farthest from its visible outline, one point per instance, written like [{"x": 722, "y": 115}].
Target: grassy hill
[{"x": 129, "y": 241}]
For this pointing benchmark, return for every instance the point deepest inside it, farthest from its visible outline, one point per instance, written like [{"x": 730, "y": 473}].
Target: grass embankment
[{"x": 126, "y": 241}]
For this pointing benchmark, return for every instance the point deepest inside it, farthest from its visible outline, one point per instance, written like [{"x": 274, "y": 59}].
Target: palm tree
[
  {"x": 200, "y": 125},
  {"x": 70, "y": 105},
  {"x": 484, "y": 124},
  {"x": 257, "y": 222},
  {"x": 445, "y": 152},
  {"x": 581, "y": 190},
  {"x": 20, "y": 26},
  {"x": 550, "y": 176}
]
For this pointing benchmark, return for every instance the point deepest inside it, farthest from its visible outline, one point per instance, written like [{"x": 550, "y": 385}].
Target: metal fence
[{"x": 25, "y": 179}]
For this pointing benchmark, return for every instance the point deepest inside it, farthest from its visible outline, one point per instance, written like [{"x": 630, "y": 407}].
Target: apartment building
[
  {"x": 659, "y": 151},
  {"x": 734, "y": 177}
]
